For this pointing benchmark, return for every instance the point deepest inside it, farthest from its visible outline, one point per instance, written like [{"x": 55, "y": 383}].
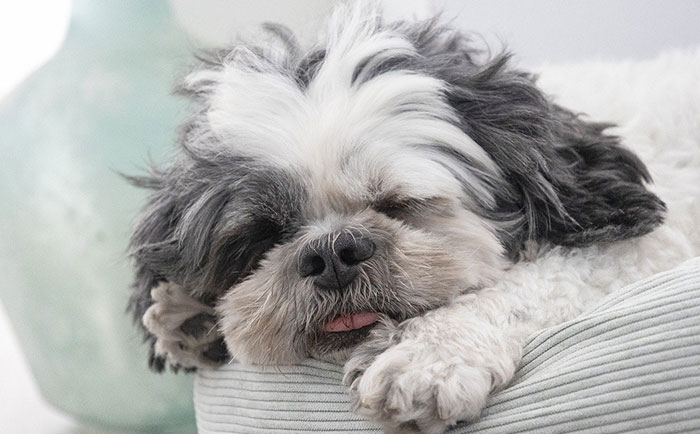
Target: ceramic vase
[{"x": 101, "y": 106}]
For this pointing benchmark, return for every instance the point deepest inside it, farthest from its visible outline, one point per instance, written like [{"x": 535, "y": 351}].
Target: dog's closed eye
[
  {"x": 405, "y": 208},
  {"x": 237, "y": 255},
  {"x": 392, "y": 208}
]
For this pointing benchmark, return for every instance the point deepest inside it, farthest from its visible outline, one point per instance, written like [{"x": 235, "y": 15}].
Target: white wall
[
  {"x": 536, "y": 30},
  {"x": 28, "y": 38},
  {"x": 569, "y": 30}
]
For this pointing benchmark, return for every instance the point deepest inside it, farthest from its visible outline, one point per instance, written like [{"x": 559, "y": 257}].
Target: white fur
[
  {"x": 450, "y": 359},
  {"x": 342, "y": 136}
]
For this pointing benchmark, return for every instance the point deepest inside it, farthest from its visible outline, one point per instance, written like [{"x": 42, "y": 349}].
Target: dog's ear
[
  {"x": 178, "y": 322},
  {"x": 564, "y": 180},
  {"x": 601, "y": 187}
]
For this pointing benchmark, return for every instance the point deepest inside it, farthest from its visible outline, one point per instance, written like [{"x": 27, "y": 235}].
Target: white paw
[
  {"x": 405, "y": 388},
  {"x": 422, "y": 377},
  {"x": 184, "y": 329}
]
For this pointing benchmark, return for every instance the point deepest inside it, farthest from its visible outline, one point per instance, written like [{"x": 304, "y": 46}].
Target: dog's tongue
[{"x": 351, "y": 322}]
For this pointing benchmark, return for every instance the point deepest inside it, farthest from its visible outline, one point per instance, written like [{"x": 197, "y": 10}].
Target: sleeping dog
[{"x": 392, "y": 199}]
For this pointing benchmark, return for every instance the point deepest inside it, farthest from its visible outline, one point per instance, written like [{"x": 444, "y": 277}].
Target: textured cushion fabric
[
  {"x": 632, "y": 364},
  {"x": 303, "y": 398}
]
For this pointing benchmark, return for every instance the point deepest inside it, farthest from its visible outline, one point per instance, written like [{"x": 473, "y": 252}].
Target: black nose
[{"x": 333, "y": 262}]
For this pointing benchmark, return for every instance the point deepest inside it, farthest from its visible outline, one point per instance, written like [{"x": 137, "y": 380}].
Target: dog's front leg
[{"x": 430, "y": 372}]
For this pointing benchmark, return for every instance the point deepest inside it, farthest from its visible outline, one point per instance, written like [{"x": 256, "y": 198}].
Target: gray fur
[
  {"x": 228, "y": 227},
  {"x": 564, "y": 179},
  {"x": 209, "y": 221}
]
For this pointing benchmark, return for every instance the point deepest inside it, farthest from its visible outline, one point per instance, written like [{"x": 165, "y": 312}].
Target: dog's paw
[
  {"x": 184, "y": 330},
  {"x": 424, "y": 381},
  {"x": 403, "y": 391}
]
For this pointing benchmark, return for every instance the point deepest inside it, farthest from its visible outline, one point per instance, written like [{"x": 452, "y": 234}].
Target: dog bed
[{"x": 632, "y": 364}]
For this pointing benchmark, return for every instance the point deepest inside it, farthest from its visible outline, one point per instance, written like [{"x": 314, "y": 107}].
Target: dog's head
[{"x": 379, "y": 173}]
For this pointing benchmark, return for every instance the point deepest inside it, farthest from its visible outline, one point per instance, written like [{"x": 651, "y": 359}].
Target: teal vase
[{"x": 101, "y": 106}]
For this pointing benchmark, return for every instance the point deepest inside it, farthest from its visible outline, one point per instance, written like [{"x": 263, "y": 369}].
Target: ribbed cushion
[{"x": 630, "y": 365}]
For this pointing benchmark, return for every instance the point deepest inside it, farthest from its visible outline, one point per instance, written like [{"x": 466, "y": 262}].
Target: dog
[{"x": 394, "y": 199}]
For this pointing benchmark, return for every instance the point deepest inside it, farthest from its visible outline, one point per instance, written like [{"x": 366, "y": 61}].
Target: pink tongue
[{"x": 351, "y": 322}]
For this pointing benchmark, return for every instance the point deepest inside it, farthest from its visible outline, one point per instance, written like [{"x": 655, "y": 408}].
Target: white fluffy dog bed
[{"x": 631, "y": 364}]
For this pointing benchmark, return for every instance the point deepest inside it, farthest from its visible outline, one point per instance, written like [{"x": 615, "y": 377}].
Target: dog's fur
[{"x": 468, "y": 179}]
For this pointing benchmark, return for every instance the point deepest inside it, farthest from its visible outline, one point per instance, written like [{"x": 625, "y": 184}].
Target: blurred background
[{"x": 85, "y": 94}]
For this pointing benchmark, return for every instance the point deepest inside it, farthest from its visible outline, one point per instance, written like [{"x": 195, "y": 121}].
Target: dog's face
[
  {"x": 377, "y": 175},
  {"x": 346, "y": 238}
]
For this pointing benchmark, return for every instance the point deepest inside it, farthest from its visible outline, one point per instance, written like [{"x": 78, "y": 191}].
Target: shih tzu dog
[{"x": 382, "y": 199}]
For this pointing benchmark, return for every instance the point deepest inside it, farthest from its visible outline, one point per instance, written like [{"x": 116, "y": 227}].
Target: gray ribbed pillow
[{"x": 630, "y": 365}]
